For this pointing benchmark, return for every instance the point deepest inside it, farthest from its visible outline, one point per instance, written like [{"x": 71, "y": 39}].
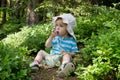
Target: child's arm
[
  {"x": 70, "y": 53},
  {"x": 49, "y": 40}
]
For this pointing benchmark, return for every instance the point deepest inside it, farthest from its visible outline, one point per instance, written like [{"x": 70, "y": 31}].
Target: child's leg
[
  {"x": 67, "y": 66},
  {"x": 66, "y": 58},
  {"x": 40, "y": 56},
  {"x": 38, "y": 59}
]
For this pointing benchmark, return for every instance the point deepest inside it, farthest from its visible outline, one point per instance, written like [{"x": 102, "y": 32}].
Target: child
[{"x": 63, "y": 43}]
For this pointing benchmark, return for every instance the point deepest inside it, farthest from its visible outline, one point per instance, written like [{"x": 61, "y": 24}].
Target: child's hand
[
  {"x": 54, "y": 32},
  {"x": 64, "y": 52}
]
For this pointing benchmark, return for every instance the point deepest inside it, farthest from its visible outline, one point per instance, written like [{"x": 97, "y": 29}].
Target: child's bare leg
[
  {"x": 38, "y": 59},
  {"x": 66, "y": 58},
  {"x": 40, "y": 56},
  {"x": 66, "y": 67}
]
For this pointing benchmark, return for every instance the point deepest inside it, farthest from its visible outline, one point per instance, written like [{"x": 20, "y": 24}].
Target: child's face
[{"x": 61, "y": 28}]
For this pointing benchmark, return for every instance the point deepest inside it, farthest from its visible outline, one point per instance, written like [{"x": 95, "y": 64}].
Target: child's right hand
[{"x": 54, "y": 32}]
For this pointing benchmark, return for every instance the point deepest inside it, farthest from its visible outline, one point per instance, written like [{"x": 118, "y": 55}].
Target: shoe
[
  {"x": 34, "y": 66},
  {"x": 67, "y": 69}
]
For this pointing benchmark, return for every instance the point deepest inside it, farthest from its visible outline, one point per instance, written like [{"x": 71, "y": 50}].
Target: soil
[{"x": 50, "y": 74}]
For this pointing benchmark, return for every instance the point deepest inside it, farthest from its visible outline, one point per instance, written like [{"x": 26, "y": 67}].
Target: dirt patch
[{"x": 50, "y": 74}]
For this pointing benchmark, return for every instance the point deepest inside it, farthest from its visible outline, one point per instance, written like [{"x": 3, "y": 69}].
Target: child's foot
[
  {"x": 34, "y": 66},
  {"x": 67, "y": 69}
]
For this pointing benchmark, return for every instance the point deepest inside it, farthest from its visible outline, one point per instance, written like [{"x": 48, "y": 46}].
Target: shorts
[{"x": 51, "y": 60}]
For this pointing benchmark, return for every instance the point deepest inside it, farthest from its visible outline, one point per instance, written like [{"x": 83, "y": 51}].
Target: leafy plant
[
  {"x": 15, "y": 48},
  {"x": 100, "y": 35}
]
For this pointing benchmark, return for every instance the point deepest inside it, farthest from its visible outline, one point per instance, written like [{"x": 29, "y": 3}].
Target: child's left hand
[{"x": 64, "y": 52}]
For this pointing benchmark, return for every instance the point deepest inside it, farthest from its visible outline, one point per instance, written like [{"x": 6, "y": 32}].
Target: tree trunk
[
  {"x": 4, "y": 4},
  {"x": 0, "y": 3},
  {"x": 0, "y": 11},
  {"x": 17, "y": 9},
  {"x": 32, "y": 17}
]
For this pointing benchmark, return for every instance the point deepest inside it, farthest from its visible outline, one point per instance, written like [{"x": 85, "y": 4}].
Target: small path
[{"x": 49, "y": 74}]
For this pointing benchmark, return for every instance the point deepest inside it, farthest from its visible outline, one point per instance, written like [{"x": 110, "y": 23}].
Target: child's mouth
[{"x": 57, "y": 32}]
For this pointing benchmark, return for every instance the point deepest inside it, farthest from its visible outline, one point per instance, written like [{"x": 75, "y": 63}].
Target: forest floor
[{"x": 50, "y": 74}]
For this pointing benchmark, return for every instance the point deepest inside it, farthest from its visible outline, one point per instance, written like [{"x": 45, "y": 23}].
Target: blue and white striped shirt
[{"x": 67, "y": 44}]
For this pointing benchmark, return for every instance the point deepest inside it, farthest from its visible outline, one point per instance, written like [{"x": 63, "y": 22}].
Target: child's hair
[{"x": 60, "y": 21}]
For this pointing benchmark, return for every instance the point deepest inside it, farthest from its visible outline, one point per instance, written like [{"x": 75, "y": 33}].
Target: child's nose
[{"x": 57, "y": 28}]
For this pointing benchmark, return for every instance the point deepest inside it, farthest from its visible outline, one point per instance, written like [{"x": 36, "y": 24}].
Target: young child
[{"x": 63, "y": 43}]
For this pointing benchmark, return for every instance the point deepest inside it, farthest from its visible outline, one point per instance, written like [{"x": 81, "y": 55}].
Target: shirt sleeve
[
  {"x": 74, "y": 47},
  {"x": 54, "y": 41}
]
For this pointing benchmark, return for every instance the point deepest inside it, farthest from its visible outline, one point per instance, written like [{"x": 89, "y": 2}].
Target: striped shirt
[{"x": 67, "y": 44}]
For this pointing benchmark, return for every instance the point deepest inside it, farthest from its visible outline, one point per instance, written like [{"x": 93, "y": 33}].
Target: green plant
[
  {"x": 100, "y": 35},
  {"x": 15, "y": 48}
]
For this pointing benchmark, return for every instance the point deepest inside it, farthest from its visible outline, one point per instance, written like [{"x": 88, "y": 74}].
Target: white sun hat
[{"x": 70, "y": 20}]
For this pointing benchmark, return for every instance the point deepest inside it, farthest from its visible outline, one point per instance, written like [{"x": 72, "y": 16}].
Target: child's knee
[
  {"x": 41, "y": 52},
  {"x": 66, "y": 56}
]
